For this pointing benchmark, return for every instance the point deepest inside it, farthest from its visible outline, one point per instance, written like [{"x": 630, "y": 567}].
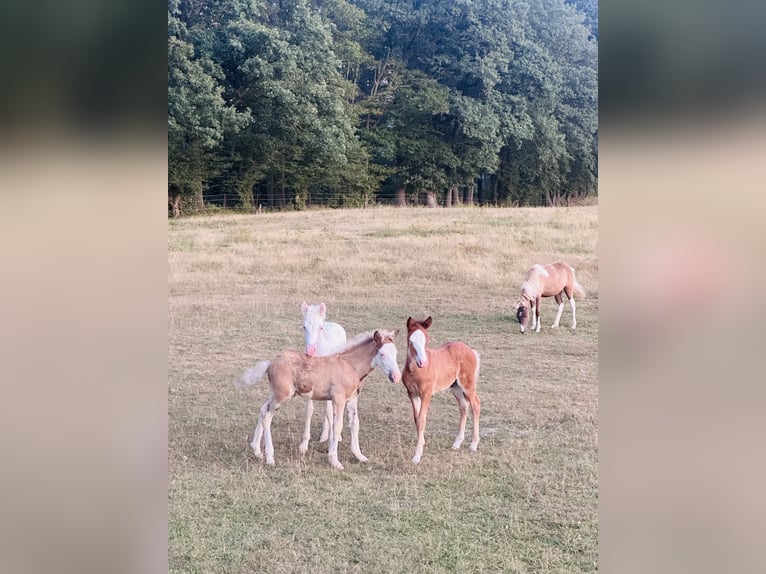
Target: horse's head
[
  {"x": 417, "y": 340},
  {"x": 385, "y": 358},
  {"x": 313, "y": 324},
  {"x": 522, "y": 314}
]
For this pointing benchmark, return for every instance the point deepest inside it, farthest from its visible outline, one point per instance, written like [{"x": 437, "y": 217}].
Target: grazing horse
[
  {"x": 337, "y": 378},
  {"x": 322, "y": 338},
  {"x": 428, "y": 371},
  {"x": 546, "y": 281}
]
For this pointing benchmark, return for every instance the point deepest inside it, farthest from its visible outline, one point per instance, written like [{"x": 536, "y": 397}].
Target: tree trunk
[
  {"x": 469, "y": 194},
  {"x": 401, "y": 200},
  {"x": 448, "y": 198},
  {"x": 175, "y": 202},
  {"x": 198, "y": 198},
  {"x": 431, "y": 199},
  {"x": 270, "y": 191},
  {"x": 455, "y": 196}
]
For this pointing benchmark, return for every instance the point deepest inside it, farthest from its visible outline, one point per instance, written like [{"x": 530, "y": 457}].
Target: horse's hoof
[
  {"x": 270, "y": 462},
  {"x": 361, "y": 458},
  {"x": 474, "y": 447},
  {"x": 303, "y": 448},
  {"x": 416, "y": 459},
  {"x": 336, "y": 465},
  {"x": 258, "y": 454},
  {"x": 456, "y": 446}
]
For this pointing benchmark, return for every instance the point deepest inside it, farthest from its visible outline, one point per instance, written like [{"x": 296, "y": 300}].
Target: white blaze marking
[{"x": 418, "y": 340}]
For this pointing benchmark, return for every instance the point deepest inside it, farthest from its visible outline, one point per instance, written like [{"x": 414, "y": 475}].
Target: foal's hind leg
[
  {"x": 560, "y": 301},
  {"x": 268, "y": 445},
  {"x": 475, "y": 402},
  {"x": 462, "y": 404},
  {"x": 353, "y": 422},
  {"x": 258, "y": 433},
  {"x": 570, "y": 293}
]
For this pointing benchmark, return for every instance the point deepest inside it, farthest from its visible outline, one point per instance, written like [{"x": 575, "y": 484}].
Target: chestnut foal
[{"x": 428, "y": 371}]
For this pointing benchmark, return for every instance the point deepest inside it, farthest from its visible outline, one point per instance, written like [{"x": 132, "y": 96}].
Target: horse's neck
[
  {"x": 331, "y": 339},
  {"x": 360, "y": 357}
]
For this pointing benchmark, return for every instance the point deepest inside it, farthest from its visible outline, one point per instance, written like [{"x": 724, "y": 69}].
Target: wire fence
[{"x": 287, "y": 202}]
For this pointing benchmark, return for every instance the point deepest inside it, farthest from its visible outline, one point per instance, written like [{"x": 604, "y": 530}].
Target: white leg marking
[
  {"x": 416, "y": 402},
  {"x": 558, "y": 315},
  {"x": 258, "y": 432},
  {"x": 327, "y": 422},
  {"x": 353, "y": 422},
  {"x": 304, "y": 446},
  {"x": 268, "y": 445},
  {"x": 463, "y": 406},
  {"x": 337, "y": 412},
  {"x": 574, "y": 316}
]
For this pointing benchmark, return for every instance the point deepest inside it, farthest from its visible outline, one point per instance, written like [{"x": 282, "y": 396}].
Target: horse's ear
[
  {"x": 322, "y": 310},
  {"x": 377, "y": 337},
  {"x": 304, "y": 307},
  {"x": 395, "y": 334},
  {"x": 410, "y": 323},
  {"x": 427, "y": 323}
]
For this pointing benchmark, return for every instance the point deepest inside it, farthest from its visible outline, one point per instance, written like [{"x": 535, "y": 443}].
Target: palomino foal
[
  {"x": 322, "y": 338},
  {"x": 428, "y": 371},
  {"x": 546, "y": 281},
  {"x": 337, "y": 378}
]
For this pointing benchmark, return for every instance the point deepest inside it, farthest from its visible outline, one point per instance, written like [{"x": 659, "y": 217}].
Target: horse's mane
[{"x": 364, "y": 338}]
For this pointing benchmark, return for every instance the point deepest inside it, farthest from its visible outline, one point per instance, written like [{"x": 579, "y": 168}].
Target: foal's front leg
[
  {"x": 328, "y": 423},
  {"x": 337, "y": 415},
  {"x": 536, "y": 310},
  {"x": 420, "y": 424},
  {"x": 304, "y": 446}
]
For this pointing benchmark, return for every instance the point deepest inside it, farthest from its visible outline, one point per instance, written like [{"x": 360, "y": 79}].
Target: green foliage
[{"x": 332, "y": 101}]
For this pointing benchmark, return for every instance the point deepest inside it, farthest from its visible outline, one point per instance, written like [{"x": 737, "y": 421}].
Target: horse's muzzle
[
  {"x": 394, "y": 377},
  {"x": 311, "y": 350}
]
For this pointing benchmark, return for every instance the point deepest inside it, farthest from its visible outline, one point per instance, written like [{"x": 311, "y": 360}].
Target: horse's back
[
  {"x": 459, "y": 355},
  {"x": 333, "y": 338},
  {"x": 306, "y": 374},
  {"x": 560, "y": 275}
]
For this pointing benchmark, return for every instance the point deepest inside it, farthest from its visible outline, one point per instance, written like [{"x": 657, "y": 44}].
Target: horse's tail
[
  {"x": 252, "y": 375},
  {"x": 478, "y": 366},
  {"x": 577, "y": 287}
]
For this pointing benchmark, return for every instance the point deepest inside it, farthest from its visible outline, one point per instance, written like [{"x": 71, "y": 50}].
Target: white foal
[{"x": 322, "y": 338}]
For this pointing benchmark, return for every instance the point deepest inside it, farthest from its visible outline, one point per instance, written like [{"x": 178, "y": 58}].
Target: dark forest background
[{"x": 292, "y": 103}]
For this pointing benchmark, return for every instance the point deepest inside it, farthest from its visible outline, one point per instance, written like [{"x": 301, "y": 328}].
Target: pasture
[{"x": 525, "y": 502}]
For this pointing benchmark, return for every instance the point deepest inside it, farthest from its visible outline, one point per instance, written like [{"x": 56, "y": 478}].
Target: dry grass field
[{"x": 525, "y": 502}]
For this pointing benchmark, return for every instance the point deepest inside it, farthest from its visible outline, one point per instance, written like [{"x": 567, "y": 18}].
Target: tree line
[{"x": 290, "y": 103}]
